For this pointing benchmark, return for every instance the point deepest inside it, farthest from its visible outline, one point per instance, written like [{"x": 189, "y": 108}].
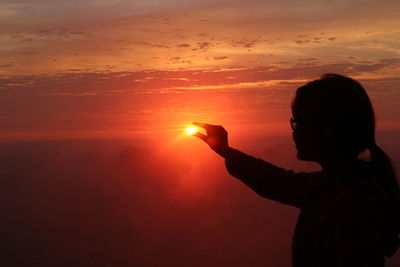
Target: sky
[
  {"x": 108, "y": 68},
  {"x": 142, "y": 71}
]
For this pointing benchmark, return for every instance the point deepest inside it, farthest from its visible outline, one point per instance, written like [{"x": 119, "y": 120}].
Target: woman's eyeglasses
[{"x": 293, "y": 122}]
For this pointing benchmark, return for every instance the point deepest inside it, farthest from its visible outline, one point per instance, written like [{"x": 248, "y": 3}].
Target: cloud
[
  {"x": 163, "y": 19},
  {"x": 244, "y": 43},
  {"x": 202, "y": 46},
  {"x": 301, "y": 41},
  {"x": 83, "y": 82},
  {"x": 137, "y": 35},
  {"x": 183, "y": 45},
  {"x": 147, "y": 44},
  {"x": 7, "y": 65},
  {"x": 112, "y": 103},
  {"x": 220, "y": 58}
]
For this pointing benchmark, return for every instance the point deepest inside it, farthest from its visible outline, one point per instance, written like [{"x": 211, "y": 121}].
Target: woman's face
[{"x": 308, "y": 137}]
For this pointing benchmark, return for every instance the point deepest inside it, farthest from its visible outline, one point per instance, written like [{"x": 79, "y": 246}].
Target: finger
[
  {"x": 204, "y": 125},
  {"x": 201, "y": 136},
  {"x": 201, "y": 124}
]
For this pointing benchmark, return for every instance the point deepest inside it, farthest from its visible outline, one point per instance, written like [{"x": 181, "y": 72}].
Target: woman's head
[{"x": 333, "y": 116}]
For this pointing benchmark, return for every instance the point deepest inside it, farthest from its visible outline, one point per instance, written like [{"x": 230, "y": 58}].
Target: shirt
[{"x": 341, "y": 220}]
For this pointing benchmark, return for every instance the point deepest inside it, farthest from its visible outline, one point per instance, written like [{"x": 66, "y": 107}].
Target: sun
[{"x": 191, "y": 130}]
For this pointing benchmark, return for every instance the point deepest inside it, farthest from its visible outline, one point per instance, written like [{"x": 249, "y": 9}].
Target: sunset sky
[
  {"x": 103, "y": 90},
  {"x": 108, "y": 68}
]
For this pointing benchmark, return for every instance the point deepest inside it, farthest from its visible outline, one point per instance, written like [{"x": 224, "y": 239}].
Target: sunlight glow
[{"x": 191, "y": 130}]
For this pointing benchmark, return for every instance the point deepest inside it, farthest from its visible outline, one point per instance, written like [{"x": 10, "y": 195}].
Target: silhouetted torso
[{"x": 341, "y": 220}]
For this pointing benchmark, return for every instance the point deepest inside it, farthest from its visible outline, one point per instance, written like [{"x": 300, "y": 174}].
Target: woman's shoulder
[
  {"x": 364, "y": 181},
  {"x": 362, "y": 190}
]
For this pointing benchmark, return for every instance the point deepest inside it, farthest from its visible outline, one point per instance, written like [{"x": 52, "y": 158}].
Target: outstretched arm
[{"x": 264, "y": 178}]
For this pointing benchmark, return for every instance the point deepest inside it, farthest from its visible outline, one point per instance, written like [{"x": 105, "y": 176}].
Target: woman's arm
[
  {"x": 266, "y": 179},
  {"x": 270, "y": 181}
]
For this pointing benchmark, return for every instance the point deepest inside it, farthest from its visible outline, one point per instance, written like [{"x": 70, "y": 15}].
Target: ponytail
[{"x": 387, "y": 178}]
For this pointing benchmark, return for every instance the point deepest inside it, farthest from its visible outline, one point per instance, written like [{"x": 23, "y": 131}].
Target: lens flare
[{"x": 191, "y": 130}]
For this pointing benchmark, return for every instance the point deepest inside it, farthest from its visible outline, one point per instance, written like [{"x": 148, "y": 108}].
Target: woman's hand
[{"x": 216, "y": 137}]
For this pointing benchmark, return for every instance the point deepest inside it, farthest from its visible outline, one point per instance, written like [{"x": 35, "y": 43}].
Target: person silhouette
[{"x": 350, "y": 210}]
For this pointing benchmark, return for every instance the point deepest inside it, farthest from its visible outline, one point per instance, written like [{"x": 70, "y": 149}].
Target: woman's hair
[{"x": 342, "y": 104}]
